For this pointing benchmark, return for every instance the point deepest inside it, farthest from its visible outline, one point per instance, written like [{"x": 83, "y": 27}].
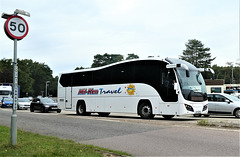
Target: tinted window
[
  {"x": 66, "y": 80},
  {"x": 103, "y": 76},
  {"x": 155, "y": 74},
  {"x": 120, "y": 73},
  {"x": 82, "y": 78},
  {"x": 219, "y": 98},
  {"x": 210, "y": 97},
  {"x": 151, "y": 72},
  {"x": 123, "y": 73}
]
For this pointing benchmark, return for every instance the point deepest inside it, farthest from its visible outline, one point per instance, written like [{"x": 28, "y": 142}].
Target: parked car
[
  {"x": 23, "y": 103},
  {"x": 225, "y": 104},
  {"x": 6, "y": 102},
  {"x": 44, "y": 105}
]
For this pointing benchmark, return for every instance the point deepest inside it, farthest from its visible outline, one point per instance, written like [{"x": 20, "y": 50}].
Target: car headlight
[{"x": 46, "y": 106}]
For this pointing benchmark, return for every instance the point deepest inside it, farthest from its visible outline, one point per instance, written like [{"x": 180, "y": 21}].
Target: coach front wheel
[{"x": 145, "y": 110}]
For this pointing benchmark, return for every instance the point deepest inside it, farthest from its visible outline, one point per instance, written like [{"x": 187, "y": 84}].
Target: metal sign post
[
  {"x": 15, "y": 97},
  {"x": 16, "y": 28}
]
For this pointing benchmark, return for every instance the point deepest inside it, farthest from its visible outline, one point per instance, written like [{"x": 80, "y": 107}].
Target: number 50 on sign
[{"x": 16, "y": 27}]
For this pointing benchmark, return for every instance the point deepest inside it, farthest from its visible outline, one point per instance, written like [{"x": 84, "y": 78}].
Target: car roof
[{"x": 217, "y": 93}]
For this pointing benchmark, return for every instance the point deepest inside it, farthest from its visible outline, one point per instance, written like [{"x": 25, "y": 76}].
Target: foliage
[
  {"x": 79, "y": 68},
  {"x": 226, "y": 73},
  {"x": 31, "y": 144},
  {"x": 32, "y": 77},
  {"x": 132, "y": 56},
  {"x": 196, "y": 54},
  {"x": 101, "y": 60}
]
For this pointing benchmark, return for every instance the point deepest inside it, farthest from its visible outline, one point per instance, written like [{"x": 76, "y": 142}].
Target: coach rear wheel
[
  {"x": 81, "y": 109},
  {"x": 145, "y": 110}
]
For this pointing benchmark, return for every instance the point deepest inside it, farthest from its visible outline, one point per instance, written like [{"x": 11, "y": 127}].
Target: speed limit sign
[{"x": 16, "y": 27}]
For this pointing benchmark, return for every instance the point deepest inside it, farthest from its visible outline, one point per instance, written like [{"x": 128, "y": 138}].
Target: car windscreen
[
  {"x": 23, "y": 100},
  {"x": 233, "y": 98},
  {"x": 8, "y": 99},
  {"x": 47, "y": 100}
]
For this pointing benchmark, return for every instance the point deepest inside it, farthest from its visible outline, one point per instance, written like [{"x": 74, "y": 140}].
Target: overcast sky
[{"x": 65, "y": 34}]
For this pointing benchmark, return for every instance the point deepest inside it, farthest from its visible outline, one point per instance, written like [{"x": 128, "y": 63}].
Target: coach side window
[
  {"x": 103, "y": 76},
  {"x": 66, "y": 80},
  {"x": 123, "y": 73},
  {"x": 82, "y": 79}
]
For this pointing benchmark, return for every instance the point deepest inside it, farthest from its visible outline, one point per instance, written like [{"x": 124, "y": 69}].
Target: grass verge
[
  {"x": 31, "y": 144},
  {"x": 204, "y": 122}
]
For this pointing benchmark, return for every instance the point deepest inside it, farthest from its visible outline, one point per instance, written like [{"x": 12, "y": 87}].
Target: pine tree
[{"x": 197, "y": 54}]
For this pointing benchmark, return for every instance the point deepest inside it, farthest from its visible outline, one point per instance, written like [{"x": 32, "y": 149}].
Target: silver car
[
  {"x": 23, "y": 103},
  {"x": 225, "y": 104}
]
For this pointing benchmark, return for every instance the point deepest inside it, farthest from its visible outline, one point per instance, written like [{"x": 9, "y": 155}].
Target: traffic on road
[{"x": 130, "y": 133}]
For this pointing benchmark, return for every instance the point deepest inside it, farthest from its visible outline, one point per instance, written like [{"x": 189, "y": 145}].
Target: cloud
[{"x": 67, "y": 34}]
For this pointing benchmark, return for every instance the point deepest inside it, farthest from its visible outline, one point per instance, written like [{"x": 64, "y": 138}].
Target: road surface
[{"x": 157, "y": 137}]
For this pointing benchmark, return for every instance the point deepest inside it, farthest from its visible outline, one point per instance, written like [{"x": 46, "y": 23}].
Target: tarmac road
[{"x": 158, "y": 137}]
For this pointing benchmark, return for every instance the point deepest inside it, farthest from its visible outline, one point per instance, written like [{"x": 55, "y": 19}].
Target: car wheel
[
  {"x": 43, "y": 109},
  {"x": 31, "y": 109},
  {"x": 145, "y": 110},
  {"x": 237, "y": 113},
  {"x": 59, "y": 111}
]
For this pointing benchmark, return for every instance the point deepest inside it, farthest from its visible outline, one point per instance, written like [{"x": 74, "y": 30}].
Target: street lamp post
[{"x": 46, "y": 88}]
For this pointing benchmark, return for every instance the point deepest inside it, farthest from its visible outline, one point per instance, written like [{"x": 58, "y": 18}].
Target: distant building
[{"x": 218, "y": 86}]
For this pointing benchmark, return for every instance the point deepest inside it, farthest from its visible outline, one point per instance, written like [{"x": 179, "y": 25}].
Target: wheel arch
[
  {"x": 80, "y": 102},
  {"x": 238, "y": 108},
  {"x": 143, "y": 101}
]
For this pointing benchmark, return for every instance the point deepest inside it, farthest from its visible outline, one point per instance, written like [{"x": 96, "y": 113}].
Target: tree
[
  {"x": 132, "y": 56},
  {"x": 6, "y": 71},
  {"x": 79, "y": 68},
  {"x": 32, "y": 77},
  {"x": 101, "y": 60},
  {"x": 197, "y": 54}
]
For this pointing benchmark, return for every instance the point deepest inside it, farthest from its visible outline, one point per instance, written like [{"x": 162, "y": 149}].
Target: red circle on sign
[{"x": 16, "y": 27}]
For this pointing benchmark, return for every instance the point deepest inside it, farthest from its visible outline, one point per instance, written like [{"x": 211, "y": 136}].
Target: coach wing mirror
[
  {"x": 171, "y": 66},
  {"x": 208, "y": 69},
  {"x": 176, "y": 87}
]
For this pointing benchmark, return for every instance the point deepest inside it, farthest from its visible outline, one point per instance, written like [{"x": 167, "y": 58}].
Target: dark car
[
  {"x": 44, "y": 105},
  {"x": 6, "y": 102}
]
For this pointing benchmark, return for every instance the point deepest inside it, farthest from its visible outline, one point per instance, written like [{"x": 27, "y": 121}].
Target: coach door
[{"x": 68, "y": 96}]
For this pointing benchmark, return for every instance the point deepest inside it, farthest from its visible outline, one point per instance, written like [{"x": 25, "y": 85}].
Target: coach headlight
[
  {"x": 189, "y": 108},
  {"x": 205, "y": 107}
]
